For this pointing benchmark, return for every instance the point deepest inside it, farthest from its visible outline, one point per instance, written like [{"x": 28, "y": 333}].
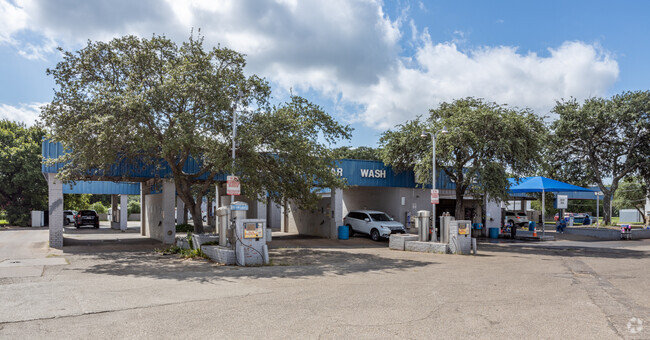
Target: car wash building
[{"x": 371, "y": 185}]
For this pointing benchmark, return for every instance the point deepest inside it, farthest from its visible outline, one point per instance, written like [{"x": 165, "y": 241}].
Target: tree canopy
[
  {"x": 22, "y": 186},
  {"x": 631, "y": 194},
  {"x": 599, "y": 141},
  {"x": 151, "y": 99},
  {"x": 485, "y": 141},
  {"x": 360, "y": 152}
]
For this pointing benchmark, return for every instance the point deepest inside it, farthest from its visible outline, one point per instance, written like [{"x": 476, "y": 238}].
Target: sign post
[
  {"x": 598, "y": 194},
  {"x": 435, "y": 196},
  {"x": 233, "y": 187}
]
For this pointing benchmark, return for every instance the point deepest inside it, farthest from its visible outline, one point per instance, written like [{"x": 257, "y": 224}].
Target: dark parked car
[{"x": 86, "y": 217}]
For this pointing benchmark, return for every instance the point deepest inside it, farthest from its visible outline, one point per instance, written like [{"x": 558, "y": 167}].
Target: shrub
[
  {"x": 99, "y": 208},
  {"x": 134, "y": 207},
  {"x": 184, "y": 228}
]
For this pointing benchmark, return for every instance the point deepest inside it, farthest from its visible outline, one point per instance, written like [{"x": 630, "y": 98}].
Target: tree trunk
[
  {"x": 208, "y": 212},
  {"x": 197, "y": 219},
  {"x": 460, "y": 192},
  {"x": 607, "y": 202}
]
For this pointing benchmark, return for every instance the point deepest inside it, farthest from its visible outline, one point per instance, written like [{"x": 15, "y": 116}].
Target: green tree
[
  {"x": 484, "y": 143},
  {"x": 598, "y": 141},
  {"x": 361, "y": 152},
  {"x": 149, "y": 100},
  {"x": 631, "y": 194},
  {"x": 76, "y": 201},
  {"x": 22, "y": 186}
]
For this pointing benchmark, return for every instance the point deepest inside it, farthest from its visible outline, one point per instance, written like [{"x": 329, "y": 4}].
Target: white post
[
  {"x": 168, "y": 200},
  {"x": 124, "y": 212},
  {"x": 543, "y": 210},
  {"x": 55, "y": 224}
]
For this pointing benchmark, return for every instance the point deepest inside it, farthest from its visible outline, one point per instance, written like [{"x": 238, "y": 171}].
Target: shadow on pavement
[{"x": 138, "y": 258}]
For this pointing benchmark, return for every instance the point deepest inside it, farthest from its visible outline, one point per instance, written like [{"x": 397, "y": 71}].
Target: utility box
[
  {"x": 250, "y": 245},
  {"x": 222, "y": 223},
  {"x": 38, "y": 218},
  {"x": 422, "y": 224},
  {"x": 444, "y": 228},
  {"x": 460, "y": 237}
]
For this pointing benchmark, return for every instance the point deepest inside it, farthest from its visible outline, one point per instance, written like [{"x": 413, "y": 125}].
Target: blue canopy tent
[{"x": 543, "y": 185}]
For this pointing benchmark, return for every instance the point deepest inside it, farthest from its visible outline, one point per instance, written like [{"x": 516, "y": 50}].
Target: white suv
[
  {"x": 377, "y": 224},
  {"x": 517, "y": 218}
]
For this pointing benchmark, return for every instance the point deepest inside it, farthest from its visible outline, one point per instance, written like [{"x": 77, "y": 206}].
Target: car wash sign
[{"x": 233, "y": 187}]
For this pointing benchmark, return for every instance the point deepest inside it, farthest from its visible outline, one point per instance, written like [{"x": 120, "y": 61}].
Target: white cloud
[
  {"x": 350, "y": 52},
  {"x": 26, "y": 113},
  {"x": 500, "y": 74}
]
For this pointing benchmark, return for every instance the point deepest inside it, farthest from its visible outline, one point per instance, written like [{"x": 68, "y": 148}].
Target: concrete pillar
[
  {"x": 115, "y": 217},
  {"x": 55, "y": 197},
  {"x": 124, "y": 212},
  {"x": 180, "y": 209},
  {"x": 337, "y": 212},
  {"x": 168, "y": 204},
  {"x": 145, "y": 189}
]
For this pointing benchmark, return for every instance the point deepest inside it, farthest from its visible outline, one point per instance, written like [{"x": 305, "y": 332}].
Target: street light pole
[
  {"x": 433, "y": 177},
  {"x": 234, "y": 136}
]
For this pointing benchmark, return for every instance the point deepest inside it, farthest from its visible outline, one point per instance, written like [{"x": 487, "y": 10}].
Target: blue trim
[{"x": 102, "y": 187}]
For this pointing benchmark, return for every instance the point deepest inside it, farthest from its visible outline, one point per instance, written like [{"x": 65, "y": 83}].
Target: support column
[
  {"x": 144, "y": 191},
  {"x": 55, "y": 197},
  {"x": 168, "y": 225},
  {"x": 124, "y": 212},
  {"x": 337, "y": 212},
  {"x": 115, "y": 216},
  {"x": 180, "y": 211}
]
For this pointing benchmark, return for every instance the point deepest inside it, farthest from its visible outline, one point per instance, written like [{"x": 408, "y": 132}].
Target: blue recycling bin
[
  {"x": 531, "y": 225},
  {"x": 494, "y": 232},
  {"x": 344, "y": 232}
]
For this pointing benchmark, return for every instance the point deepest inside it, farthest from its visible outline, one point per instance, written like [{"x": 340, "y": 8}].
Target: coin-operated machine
[
  {"x": 247, "y": 236},
  {"x": 460, "y": 237},
  {"x": 250, "y": 245}
]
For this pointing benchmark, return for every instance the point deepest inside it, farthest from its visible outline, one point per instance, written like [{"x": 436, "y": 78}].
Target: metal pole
[
  {"x": 597, "y": 211},
  {"x": 543, "y": 210},
  {"x": 234, "y": 136},
  {"x": 433, "y": 187}
]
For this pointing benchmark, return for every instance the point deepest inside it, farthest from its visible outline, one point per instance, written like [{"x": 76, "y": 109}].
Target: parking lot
[{"x": 119, "y": 287}]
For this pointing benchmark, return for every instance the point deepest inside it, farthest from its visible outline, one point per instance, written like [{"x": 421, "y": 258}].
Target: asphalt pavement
[{"x": 119, "y": 287}]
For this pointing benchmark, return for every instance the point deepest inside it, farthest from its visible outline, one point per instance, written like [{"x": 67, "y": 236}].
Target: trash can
[
  {"x": 494, "y": 232},
  {"x": 344, "y": 232},
  {"x": 531, "y": 226}
]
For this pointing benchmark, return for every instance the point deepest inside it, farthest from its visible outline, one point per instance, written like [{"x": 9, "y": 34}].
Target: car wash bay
[{"x": 373, "y": 186}]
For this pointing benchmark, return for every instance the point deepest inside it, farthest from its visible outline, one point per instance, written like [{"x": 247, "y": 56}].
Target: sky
[{"x": 370, "y": 64}]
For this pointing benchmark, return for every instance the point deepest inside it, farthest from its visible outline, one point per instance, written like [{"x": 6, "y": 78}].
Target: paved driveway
[{"x": 511, "y": 290}]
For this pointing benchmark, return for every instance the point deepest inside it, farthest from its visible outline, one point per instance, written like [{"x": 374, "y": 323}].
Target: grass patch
[{"x": 183, "y": 253}]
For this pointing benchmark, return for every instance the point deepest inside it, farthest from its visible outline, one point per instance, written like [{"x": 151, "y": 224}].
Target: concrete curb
[{"x": 608, "y": 234}]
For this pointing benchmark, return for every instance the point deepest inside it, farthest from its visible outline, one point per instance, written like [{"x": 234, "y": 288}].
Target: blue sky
[{"x": 370, "y": 64}]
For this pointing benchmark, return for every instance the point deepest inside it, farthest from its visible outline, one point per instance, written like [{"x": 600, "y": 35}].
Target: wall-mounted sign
[
  {"x": 370, "y": 173},
  {"x": 435, "y": 196},
  {"x": 233, "y": 187},
  {"x": 562, "y": 202}
]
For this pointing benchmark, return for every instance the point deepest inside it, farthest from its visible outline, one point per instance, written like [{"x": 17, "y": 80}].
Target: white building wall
[{"x": 315, "y": 222}]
